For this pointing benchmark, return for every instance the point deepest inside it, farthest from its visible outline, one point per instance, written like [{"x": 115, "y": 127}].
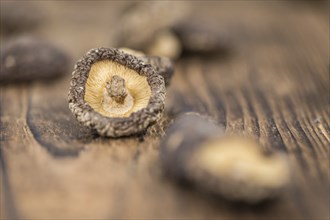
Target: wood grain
[{"x": 273, "y": 86}]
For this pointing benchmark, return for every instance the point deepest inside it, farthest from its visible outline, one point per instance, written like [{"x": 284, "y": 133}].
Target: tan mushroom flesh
[{"x": 114, "y": 90}]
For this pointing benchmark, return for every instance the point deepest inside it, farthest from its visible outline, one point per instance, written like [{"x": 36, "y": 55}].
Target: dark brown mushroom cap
[
  {"x": 195, "y": 150},
  {"x": 155, "y": 15},
  {"x": 163, "y": 65},
  {"x": 182, "y": 138},
  {"x": 135, "y": 123},
  {"x": 29, "y": 58},
  {"x": 198, "y": 37}
]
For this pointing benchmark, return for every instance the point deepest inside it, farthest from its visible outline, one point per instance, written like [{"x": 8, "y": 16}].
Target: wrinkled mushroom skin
[
  {"x": 195, "y": 151},
  {"x": 29, "y": 58},
  {"x": 163, "y": 65},
  {"x": 137, "y": 122}
]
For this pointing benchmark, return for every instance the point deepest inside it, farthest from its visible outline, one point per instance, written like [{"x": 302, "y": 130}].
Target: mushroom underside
[{"x": 114, "y": 90}]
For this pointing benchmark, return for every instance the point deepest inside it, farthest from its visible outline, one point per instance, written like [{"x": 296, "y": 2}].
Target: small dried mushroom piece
[
  {"x": 165, "y": 43},
  {"x": 115, "y": 93},
  {"x": 171, "y": 31},
  {"x": 195, "y": 150},
  {"x": 142, "y": 25},
  {"x": 29, "y": 58},
  {"x": 200, "y": 37},
  {"x": 163, "y": 65}
]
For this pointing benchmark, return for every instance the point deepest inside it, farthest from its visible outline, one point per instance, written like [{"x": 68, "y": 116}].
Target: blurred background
[{"x": 78, "y": 26}]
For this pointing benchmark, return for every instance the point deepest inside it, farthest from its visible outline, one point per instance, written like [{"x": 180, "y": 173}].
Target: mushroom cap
[
  {"x": 239, "y": 169},
  {"x": 163, "y": 65},
  {"x": 27, "y": 58},
  {"x": 156, "y": 15},
  {"x": 196, "y": 150},
  {"x": 197, "y": 37},
  {"x": 134, "y": 123}
]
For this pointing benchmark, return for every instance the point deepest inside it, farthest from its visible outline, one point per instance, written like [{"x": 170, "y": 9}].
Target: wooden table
[{"x": 273, "y": 86}]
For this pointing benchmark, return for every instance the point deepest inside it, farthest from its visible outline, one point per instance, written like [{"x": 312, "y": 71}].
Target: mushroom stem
[{"x": 116, "y": 89}]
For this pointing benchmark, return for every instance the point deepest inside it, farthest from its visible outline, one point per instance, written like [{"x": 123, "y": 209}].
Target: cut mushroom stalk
[{"x": 116, "y": 89}]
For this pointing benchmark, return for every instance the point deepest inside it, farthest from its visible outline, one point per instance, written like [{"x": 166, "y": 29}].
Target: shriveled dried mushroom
[
  {"x": 143, "y": 21},
  {"x": 19, "y": 16},
  {"x": 115, "y": 93},
  {"x": 163, "y": 65},
  {"x": 197, "y": 151},
  {"x": 200, "y": 38},
  {"x": 171, "y": 31},
  {"x": 29, "y": 58}
]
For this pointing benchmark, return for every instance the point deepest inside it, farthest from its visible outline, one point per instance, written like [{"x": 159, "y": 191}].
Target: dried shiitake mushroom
[
  {"x": 116, "y": 93},
  {"x": 195, "y": 150},
  {"x": 142, "y": 25},
  {"x": 29, "y": 58},
  {"x": 163, "y": 65},
  {"x": 171, "y": 31},
  {"x": 198, "y": 37}
]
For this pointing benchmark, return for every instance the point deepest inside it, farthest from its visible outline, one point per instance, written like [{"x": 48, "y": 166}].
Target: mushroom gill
[{"x": 114, "y": 90}]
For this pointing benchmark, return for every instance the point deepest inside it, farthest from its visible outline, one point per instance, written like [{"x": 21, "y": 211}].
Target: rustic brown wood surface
[{"x": 273, "y": 86}]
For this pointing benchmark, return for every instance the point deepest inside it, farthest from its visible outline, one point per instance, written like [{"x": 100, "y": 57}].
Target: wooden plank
[{"x": 273, "y": 87}]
